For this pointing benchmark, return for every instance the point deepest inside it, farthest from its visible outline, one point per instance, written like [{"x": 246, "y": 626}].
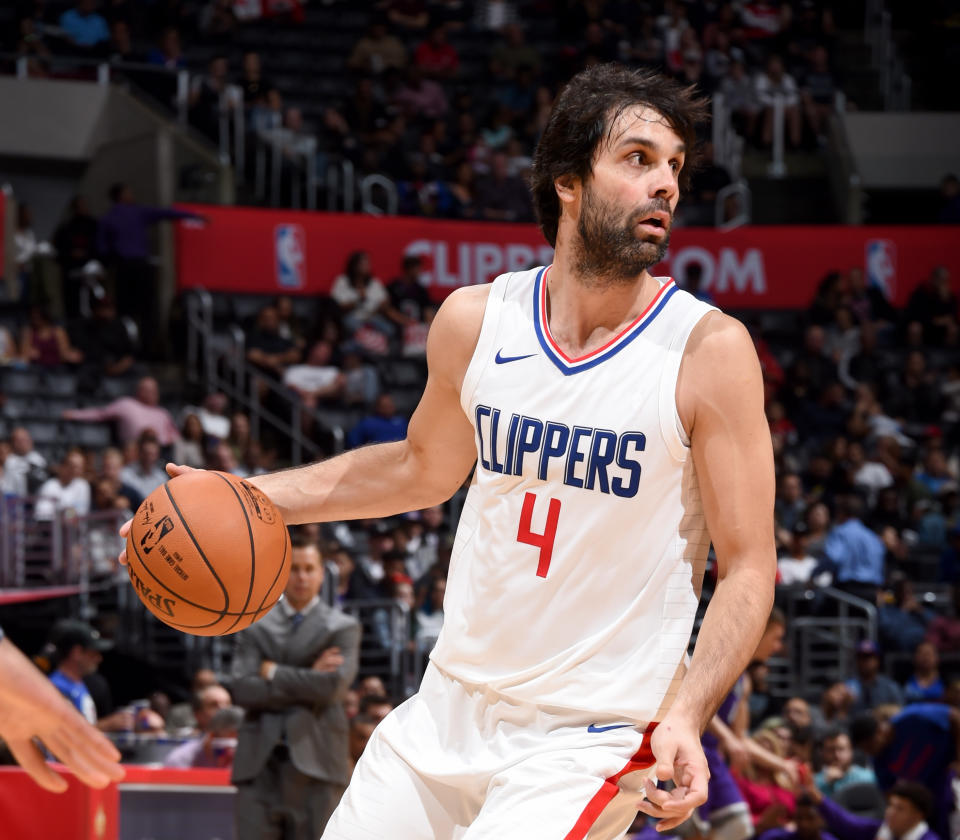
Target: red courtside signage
[{"x": 256, "y": 251}]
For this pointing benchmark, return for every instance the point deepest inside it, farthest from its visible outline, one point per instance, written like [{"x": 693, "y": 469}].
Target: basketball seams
[
  {"x": 207, "y": 563},
  {"x": 283, "y": 562},
  {"x": 159, "y": 582},
  {"x": 253, "y": 550}
]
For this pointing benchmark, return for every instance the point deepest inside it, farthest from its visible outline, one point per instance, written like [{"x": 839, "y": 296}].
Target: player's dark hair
[
  {"x": 916, "y": 794},
  {"x": 583, "y": 116}
]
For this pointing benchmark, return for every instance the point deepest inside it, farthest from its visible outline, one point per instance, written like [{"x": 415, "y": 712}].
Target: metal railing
[
  {"x": 218, "y": 361},
  {"x": 739, "y": 190},
  {"x": 895, "y": 84},
  {"x": 823, "y": 645}
]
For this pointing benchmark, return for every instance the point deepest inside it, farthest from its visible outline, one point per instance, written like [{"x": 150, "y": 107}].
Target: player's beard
[{"x": 609, "y": 251}]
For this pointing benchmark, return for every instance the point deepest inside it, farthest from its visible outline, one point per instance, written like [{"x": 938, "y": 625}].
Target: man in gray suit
[{"x": 290, "y": 672}]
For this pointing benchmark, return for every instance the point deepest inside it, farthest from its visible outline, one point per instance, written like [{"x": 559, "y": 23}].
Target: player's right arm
[{"x": 423, "y": 470}]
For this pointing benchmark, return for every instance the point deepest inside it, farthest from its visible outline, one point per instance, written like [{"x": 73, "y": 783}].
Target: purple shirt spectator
[{"x": 844, "y": 824}]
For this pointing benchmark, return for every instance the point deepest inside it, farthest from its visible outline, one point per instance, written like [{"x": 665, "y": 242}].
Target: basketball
[{"x": 208, "y": 553}]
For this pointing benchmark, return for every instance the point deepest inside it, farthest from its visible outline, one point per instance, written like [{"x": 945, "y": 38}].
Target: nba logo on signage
[
  {"x": 290, "y": 245},
  {"x": 880, "y": 257}
]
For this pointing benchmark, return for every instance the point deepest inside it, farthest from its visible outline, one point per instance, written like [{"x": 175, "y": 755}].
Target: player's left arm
[{"x": 720, "y": 401}]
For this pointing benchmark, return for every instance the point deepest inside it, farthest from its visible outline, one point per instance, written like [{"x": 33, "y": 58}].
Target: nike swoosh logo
[
  {"x": 594, "y": 728},
  {"x": 502, "y": 360}
]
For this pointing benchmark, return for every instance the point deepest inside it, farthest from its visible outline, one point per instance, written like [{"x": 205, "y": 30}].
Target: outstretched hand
[
  {"x": 676, "y": 747},
  {"x": 31, "y": 707},
  {"x": 173, "y": 470}
]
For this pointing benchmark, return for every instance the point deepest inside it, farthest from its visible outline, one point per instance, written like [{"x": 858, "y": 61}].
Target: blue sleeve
[
  {"x": 833, "y": 548},
  {"x": 844, "y": 824},
  {"x": 357, "y": 436}
]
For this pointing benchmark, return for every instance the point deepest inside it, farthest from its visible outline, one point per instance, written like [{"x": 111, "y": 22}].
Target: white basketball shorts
[{"x": 460, "y": 762}]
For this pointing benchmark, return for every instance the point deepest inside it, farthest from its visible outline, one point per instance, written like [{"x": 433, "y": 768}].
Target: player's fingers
[
  {"x": 29, "y": 757},
  {"x": 98, "y": 747},
  {"x": 665, "y": 769},
  {"x": 676, "y": 801},
  {"x": 87, "y": 766},
  {"x": 173, "y": 470}
]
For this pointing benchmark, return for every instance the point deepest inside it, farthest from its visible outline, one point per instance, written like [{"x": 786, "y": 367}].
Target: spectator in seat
[
  {"x": 774, "y": 82},
  {"x": 409, "y": 16},
  {"x": 104, "y": 342},
  {"x": 168, "y": 53},
  {"x": 502, "y": 198},
  {"x": 511, "y": 53},
  {"x": 24, "y": 469},
  {"x": 360, "y": 296},
  {"x": 68, "y": 492},
  {"x": 206, "y": 94},
  {"x": 430, "y": 616},
  {"x": 903, "y": 624},
  {"x": 819, "y": 89},
  {"x": 212, "y": 414},
  {"x": 111, "y": 469},
  {"x": 410, "y": 302},
  {"x": 933, "y": 304},
  {"x": 77, "y": 651},
  {"x": 147, "y": 473},
  {"x": 855, "y": 551},
  {"x": 377, "y": 51},
  {"x": 217, "y": 21},
  {"x": 436, "y": 57},
  {"x": 949, "y": 213},
  {"x": 267, "y": 349},
  {"x": 181, "y": 719},
  {"x": 378, "y": 706},
  {"x": 215, "y": 748},
  {"x": 361, "y": 728},
  {"x": 838, "y": 770},
  {"x": 797, "y": 566},
  {"x": 254, "y": 84},
  {"x": 908, "y": 807},
  {"x": 123, "y": 238},
  {"x": 925, "y": 685},
  {"x": 190, "y": 447},
  {"x": 85, "y": 28},
  {"x": 75, "y": 241},
  {"x": 205, "y": 702},
  {"x": 870, "y": 688},
  {"x": 383, "y": 426},
  {"x": 315, "y": 381},
  {"x": 808, "y": 824},
  {"x": 134, "y": 415},
  {"x": 102, "y": 543},
  {"x": 419, "y": 97},
  {"x": 944, "y": 630},
  {"x": 46, "y": 344}
]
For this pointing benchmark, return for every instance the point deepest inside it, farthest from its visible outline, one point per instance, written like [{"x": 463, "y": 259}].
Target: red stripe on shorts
[{"x": 642, "y": 759}]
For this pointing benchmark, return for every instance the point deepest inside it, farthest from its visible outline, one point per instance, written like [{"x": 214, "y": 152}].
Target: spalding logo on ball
[{"x": 208, "y": 553}]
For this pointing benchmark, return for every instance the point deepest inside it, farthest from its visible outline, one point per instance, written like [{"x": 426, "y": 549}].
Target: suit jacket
[{"x": 299, "y": 705}]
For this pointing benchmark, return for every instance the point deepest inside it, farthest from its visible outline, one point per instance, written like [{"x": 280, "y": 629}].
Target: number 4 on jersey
[{"x": 542, "y": 541}]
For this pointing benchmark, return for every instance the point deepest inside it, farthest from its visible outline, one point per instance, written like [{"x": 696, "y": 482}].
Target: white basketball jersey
[{"x": 579, "y": 557}]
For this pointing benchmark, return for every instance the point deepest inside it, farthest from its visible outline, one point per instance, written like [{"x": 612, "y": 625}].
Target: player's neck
[{"x": 583, "y": 313}]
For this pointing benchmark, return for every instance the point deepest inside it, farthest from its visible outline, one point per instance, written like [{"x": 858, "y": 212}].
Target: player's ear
[{"x": 567, "y": 187}]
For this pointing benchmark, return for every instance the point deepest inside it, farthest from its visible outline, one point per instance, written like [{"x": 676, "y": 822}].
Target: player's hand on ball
[
  {"x": 173, "y": 470},
  {"x": 676, "y": 747}
]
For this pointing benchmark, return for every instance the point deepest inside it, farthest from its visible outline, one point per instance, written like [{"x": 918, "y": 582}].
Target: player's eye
[{"x": 675, "y": 165}]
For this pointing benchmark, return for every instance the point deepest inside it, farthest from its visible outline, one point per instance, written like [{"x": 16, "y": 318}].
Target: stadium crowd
[{"x": 455, "y": 132}]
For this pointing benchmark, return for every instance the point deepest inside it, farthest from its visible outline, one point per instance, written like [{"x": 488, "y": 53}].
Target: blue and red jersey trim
[{"x": 563, "y": 362}]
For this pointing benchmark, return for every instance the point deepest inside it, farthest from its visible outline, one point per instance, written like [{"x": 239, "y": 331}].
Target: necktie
[{"x": 296, "y": 619}]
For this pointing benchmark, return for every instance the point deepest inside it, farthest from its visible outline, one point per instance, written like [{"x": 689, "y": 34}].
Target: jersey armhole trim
[
  {"x": 485, "y": 342},
  {"x": 671, "y": 426}
]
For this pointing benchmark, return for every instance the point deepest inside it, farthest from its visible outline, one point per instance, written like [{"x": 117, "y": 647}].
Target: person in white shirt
[
  {"x": 773, "y": 82},
  {"x": 316, "y": 379},
  {"x": 68, "y": 492},
  {"x": 24, "y": 468},
  {"x": 145, "y": 475},
  {"x": 869, "y": 475},
  {"x": 798, "y": 565},
  {"x": 212, "y": 414},
  {"x": 360, "y": 295}
]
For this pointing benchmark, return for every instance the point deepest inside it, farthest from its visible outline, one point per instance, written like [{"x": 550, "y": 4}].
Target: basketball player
[{"x": 616, "y": 424}]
